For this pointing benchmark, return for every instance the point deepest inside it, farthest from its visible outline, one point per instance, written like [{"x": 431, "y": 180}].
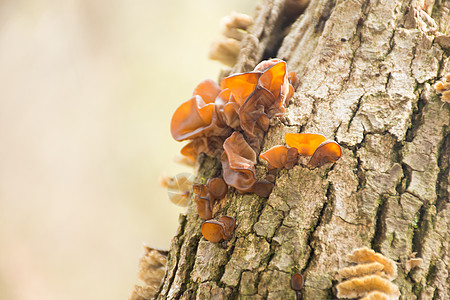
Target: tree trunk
[{"x": 366, "y": 72}]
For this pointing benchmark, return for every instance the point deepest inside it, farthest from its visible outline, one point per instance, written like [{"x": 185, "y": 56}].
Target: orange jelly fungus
[
  {"x": 327, "y": 152},
  {"x": 215, "y": 231},
  {"x": 276, "y": 157},
  {"x": 306, "y": 143}
]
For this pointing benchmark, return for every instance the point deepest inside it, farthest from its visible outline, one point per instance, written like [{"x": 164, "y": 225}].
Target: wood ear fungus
[
  {"x": 263, "y": 188},
  {"x": 327, "y": 152},
  {"x": 217, "y": 188},
  {"x": 206, "y": 196},
  {"x": 297, "y": 285},
  {"x": 216, "y": 231},
  {"x": 238, "y": 163},
  {"x": 306, "y": 143},
  {"x": 204, "y": 208},
  {"x": 280, "y": 157}
]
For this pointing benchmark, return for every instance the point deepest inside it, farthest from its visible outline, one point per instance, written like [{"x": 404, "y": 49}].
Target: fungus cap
[
  {"x": 217, "y": 187},
  {"x": 241, "y": 85},
  {"x": 297, "y": 282},
  {"x": 228, "y": 223},
  {"x": 276, "y": 157},
  {"x": 203, "y": 207},
  {"x": 238, "y": 163},
  {"x": 213, "y": 231},
  {"x": 207, "y": 89},
  {"x": 306, "y": 143},
  {"x": 327, "y": 152},
  {"x": 263, "y": 188}
]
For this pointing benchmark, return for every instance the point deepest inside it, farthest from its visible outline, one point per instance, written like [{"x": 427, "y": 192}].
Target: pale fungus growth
[
  {"x": 413, "y": 262},
  {"x": 233, "y": 28},
  {"x": 443, "y": 87},
  {"x": 152, "y": 267},
  {"x": 366, "y": 255},
  {"x": 370, "y": 278},
  {"x": 225, "y": 50},
  {"x": 360, "y": 270},
  {"x": 376, "y": 296},
  {"x": 362, "y": 286},
  {"x": 178, "y": 188}
]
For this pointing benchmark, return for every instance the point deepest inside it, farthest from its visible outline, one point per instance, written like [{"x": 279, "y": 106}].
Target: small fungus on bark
[
  {"x": 204, "y": 207},
  {"x": 327, "y": 152},
  {"x": 215, "y": 231},
  {"x": 297, "y": 285},
  {"x": 306, "y": 143},
  {"x": 280, "y": 157},
  {"x": 217, "y": 188},
  {"x": 238, "y": 163},
  {"x": 263, "y": 188}
]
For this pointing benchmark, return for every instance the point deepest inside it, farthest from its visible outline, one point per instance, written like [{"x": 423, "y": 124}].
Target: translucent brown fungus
[
  {"x": 327, "y": 152},
  {"x": 203, "y": 202},
  {"x": 276, "y": 157},
  {"x": 270, "y": 178},
  {"x": 263, "y": 188},
  {"x": 215, "y": 231},
  {"x": 196, "y": 118},
  {"x": 280, "y": 157},
  {"x": 233, "y": 27},
  {"x": 366, "y": 255},
  {"x": 291, "y": 159},
  {"x": 241, "y": 85},
  {"x": 306, "y": 143},
  {"x": 359, "y": 287},
  {"x": 228, "y": 109},
  {"x": 204, "y": 208},
  {"x": 228, "y": 223},
  {"x": 207, "y": 89},
  {"x": 297, "y": 284},
  {"x": 238, "y": 163},
  {"x": 217, "y": 188}
]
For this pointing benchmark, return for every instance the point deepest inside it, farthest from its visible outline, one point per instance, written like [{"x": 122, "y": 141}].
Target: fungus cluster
[
  {"x": 321, "y": 150},
  {"x": 370, "y": 278},
  {"x": 206, "y": 195},
  {"x": 229, "y": 121},
  {"x": 443, "y": 87}
]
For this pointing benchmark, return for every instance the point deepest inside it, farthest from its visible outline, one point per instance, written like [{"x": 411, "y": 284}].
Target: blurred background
[{"x": 87, "y": 90}]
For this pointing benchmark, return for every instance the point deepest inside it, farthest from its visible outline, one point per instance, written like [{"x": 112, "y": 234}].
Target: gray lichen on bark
[{"x": 366, "y": 71}]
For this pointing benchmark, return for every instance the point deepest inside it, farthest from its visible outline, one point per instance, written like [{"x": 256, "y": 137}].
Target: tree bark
[{"x": 366, "y": 70}]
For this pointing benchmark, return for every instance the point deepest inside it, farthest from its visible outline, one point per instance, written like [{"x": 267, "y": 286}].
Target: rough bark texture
[{"x": 366, "y": 70}]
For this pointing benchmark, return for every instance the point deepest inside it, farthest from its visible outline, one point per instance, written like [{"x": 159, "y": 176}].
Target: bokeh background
[{"x": 87, "y": 89}]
